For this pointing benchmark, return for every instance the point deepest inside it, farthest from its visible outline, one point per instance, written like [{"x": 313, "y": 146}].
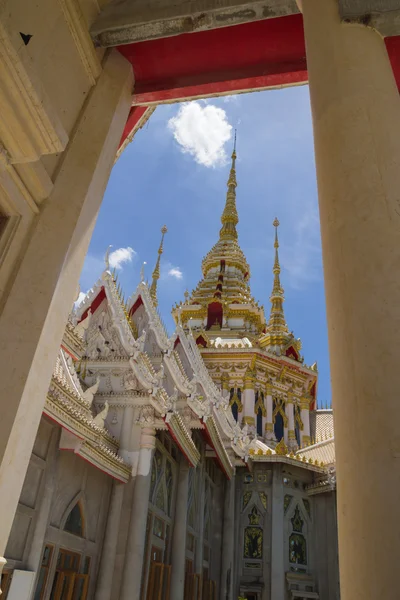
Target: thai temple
[{"x": 195, "y": 466}]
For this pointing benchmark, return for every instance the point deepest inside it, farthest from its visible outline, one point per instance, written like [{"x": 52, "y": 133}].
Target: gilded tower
[{"x": 256, "y": 362}]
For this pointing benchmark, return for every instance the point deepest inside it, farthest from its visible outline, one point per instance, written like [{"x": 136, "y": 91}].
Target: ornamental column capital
[
  {"x": 249, "y": 381},
  {"x": 290, "y": 397},
  {"x": 225, "y": 381},
  {"x": 305, "y": 402},
  {"x": 268, "y": 389},
  {"x": 148, "y": 438}
]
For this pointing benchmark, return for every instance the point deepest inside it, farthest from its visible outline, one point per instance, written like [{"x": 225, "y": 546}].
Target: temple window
[
  {"x": 253, "y": 536},
  {"x": 297, "y": 543},
  {"x": 160, "y": 517},
  {"x": 74, "y": 522},
  {"x": 235, "y": 402},
  {"x": 298, "y": 423},
  {"x": 214, "y": 315},
  {"x": 260, "y": 411},
  {"x": 279, "y": 418}
]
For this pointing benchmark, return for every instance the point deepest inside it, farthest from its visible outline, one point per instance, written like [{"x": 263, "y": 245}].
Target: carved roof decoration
[
  {"x": 66, "y": 404},
  {"x": 195, "y": 374}
]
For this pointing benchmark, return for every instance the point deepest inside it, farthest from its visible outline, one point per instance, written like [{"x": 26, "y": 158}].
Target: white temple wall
[
  {"x": 326, "y": 546},
  {"x": 312, "y": 566},
  {"x": 55, "y": 481}
]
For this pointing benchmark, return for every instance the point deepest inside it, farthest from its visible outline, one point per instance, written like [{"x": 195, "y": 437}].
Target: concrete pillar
[
  {"x": 132, "y": 573},
  {"x": 225, "y": 386},
  {"x": 228, "y": 538},
  {"x": 105, "y": 576},
  {"x": 277, "y": 533},
  {"x": 178, "y": 546},
  {"x": 289, "y": 411},
  {"x": 200, "y": 539},
  {"x": 305, "y": 417},
  {"x": 269, "y": 426},
  {"x": 34, "y": 559},
  {"x": 48, "y": 274},
  {"x": 356, "y": 117},
  {"x": 108, "y": 553},
  {"x": 249, "y": 400}
]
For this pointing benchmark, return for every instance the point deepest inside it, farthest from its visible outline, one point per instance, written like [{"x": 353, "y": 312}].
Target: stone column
[
  {"x": 109, "y": 551},
  {"x": 225, "y": 386},
  {"x": 178, "y": 546},
  {"x": 200, "y": 539},
  {"x": 47, "y": 276},
  {"x": 277, "y": 533},
  {"x": 269, "y": 426},
  {"x": 36, "y": 550},
  {"x": 249, "y": 399},
  {"x": 356, "y": 117},
  {"x": 228, "y": 538},
  {"x": 305, "y": 417},
  {"x": 134, "y": 555},
  {"x": 289, "y": 411}
]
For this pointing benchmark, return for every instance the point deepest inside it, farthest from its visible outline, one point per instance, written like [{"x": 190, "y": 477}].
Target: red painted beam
[
  {"x": 254, "y": 55},
  {"x": 393, "y": 48},
  {"x": 251, "y": 56},
  {"x": 135, "y": 114}
]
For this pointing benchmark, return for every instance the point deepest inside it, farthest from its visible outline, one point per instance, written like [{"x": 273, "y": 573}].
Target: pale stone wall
[
  {"x": 285, "y": 490},
  {"x": 63, "y": 106},
  {"x": 73, "y": 479}
]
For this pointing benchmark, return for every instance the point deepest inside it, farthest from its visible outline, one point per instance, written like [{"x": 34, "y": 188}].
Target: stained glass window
[
  {"x": 253, "y": 542},
  {"x": 169, "y": 481},
  {"x": 246, "y": 498},
  {"x": 297, "y": 541},
  {"x": 297, "y": 549},
  {"x": 160, "y": 498},
  {"x": 263, "y": 498},
  {"x": 74, "y": 522}
]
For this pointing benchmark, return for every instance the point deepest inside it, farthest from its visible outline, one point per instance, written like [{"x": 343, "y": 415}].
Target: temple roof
[{"x": 225, "y": 282}]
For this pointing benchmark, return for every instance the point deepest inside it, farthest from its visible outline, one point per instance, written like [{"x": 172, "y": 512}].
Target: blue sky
[{"x": 175, "y": 173}]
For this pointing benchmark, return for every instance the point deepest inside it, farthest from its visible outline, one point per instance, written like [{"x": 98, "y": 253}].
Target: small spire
[
  {"x": 277, "y": 322},
  {"x": 156, "y": 272},
  {"x": 230, "y": 218}
]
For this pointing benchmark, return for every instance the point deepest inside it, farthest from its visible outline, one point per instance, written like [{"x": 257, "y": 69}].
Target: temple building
[{"x": 191, "y": 466}]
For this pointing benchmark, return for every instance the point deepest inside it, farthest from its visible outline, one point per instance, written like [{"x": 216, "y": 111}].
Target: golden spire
[
  {"x": 229, "y": 218},
  {"x": 277, "y": 323},
  {"x": 156, "y": 272}
]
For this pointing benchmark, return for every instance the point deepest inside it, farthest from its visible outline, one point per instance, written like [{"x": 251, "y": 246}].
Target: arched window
[
  {"x": 278, "y": 426},
  {"x": 279, "y": 418},
  {"x": 259, "y": 410},
  {"x": 235, "y": 402},
  {"x": 253, "y": 536},
  {"x": 74, "y": 522},
  {"x": 298, "y": 424},
  {"x": 214, "y": 315},
  {"x": 297, "y": 542}
]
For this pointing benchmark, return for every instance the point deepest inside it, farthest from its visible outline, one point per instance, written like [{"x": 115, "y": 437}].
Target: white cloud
[
  {"x": 80, "y": 298},
  {"x": 230, "y": 98},
  {"x": 202, "y": 131},
  {"x": 121, "y": 256},
  {"x": 175, "y": 272}
]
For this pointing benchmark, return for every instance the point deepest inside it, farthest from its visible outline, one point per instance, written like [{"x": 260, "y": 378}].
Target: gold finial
[
  {"x": 277, "y": 323},
  {"x": 156, "y": 272},
  {"x": 230, "y": 218}
]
